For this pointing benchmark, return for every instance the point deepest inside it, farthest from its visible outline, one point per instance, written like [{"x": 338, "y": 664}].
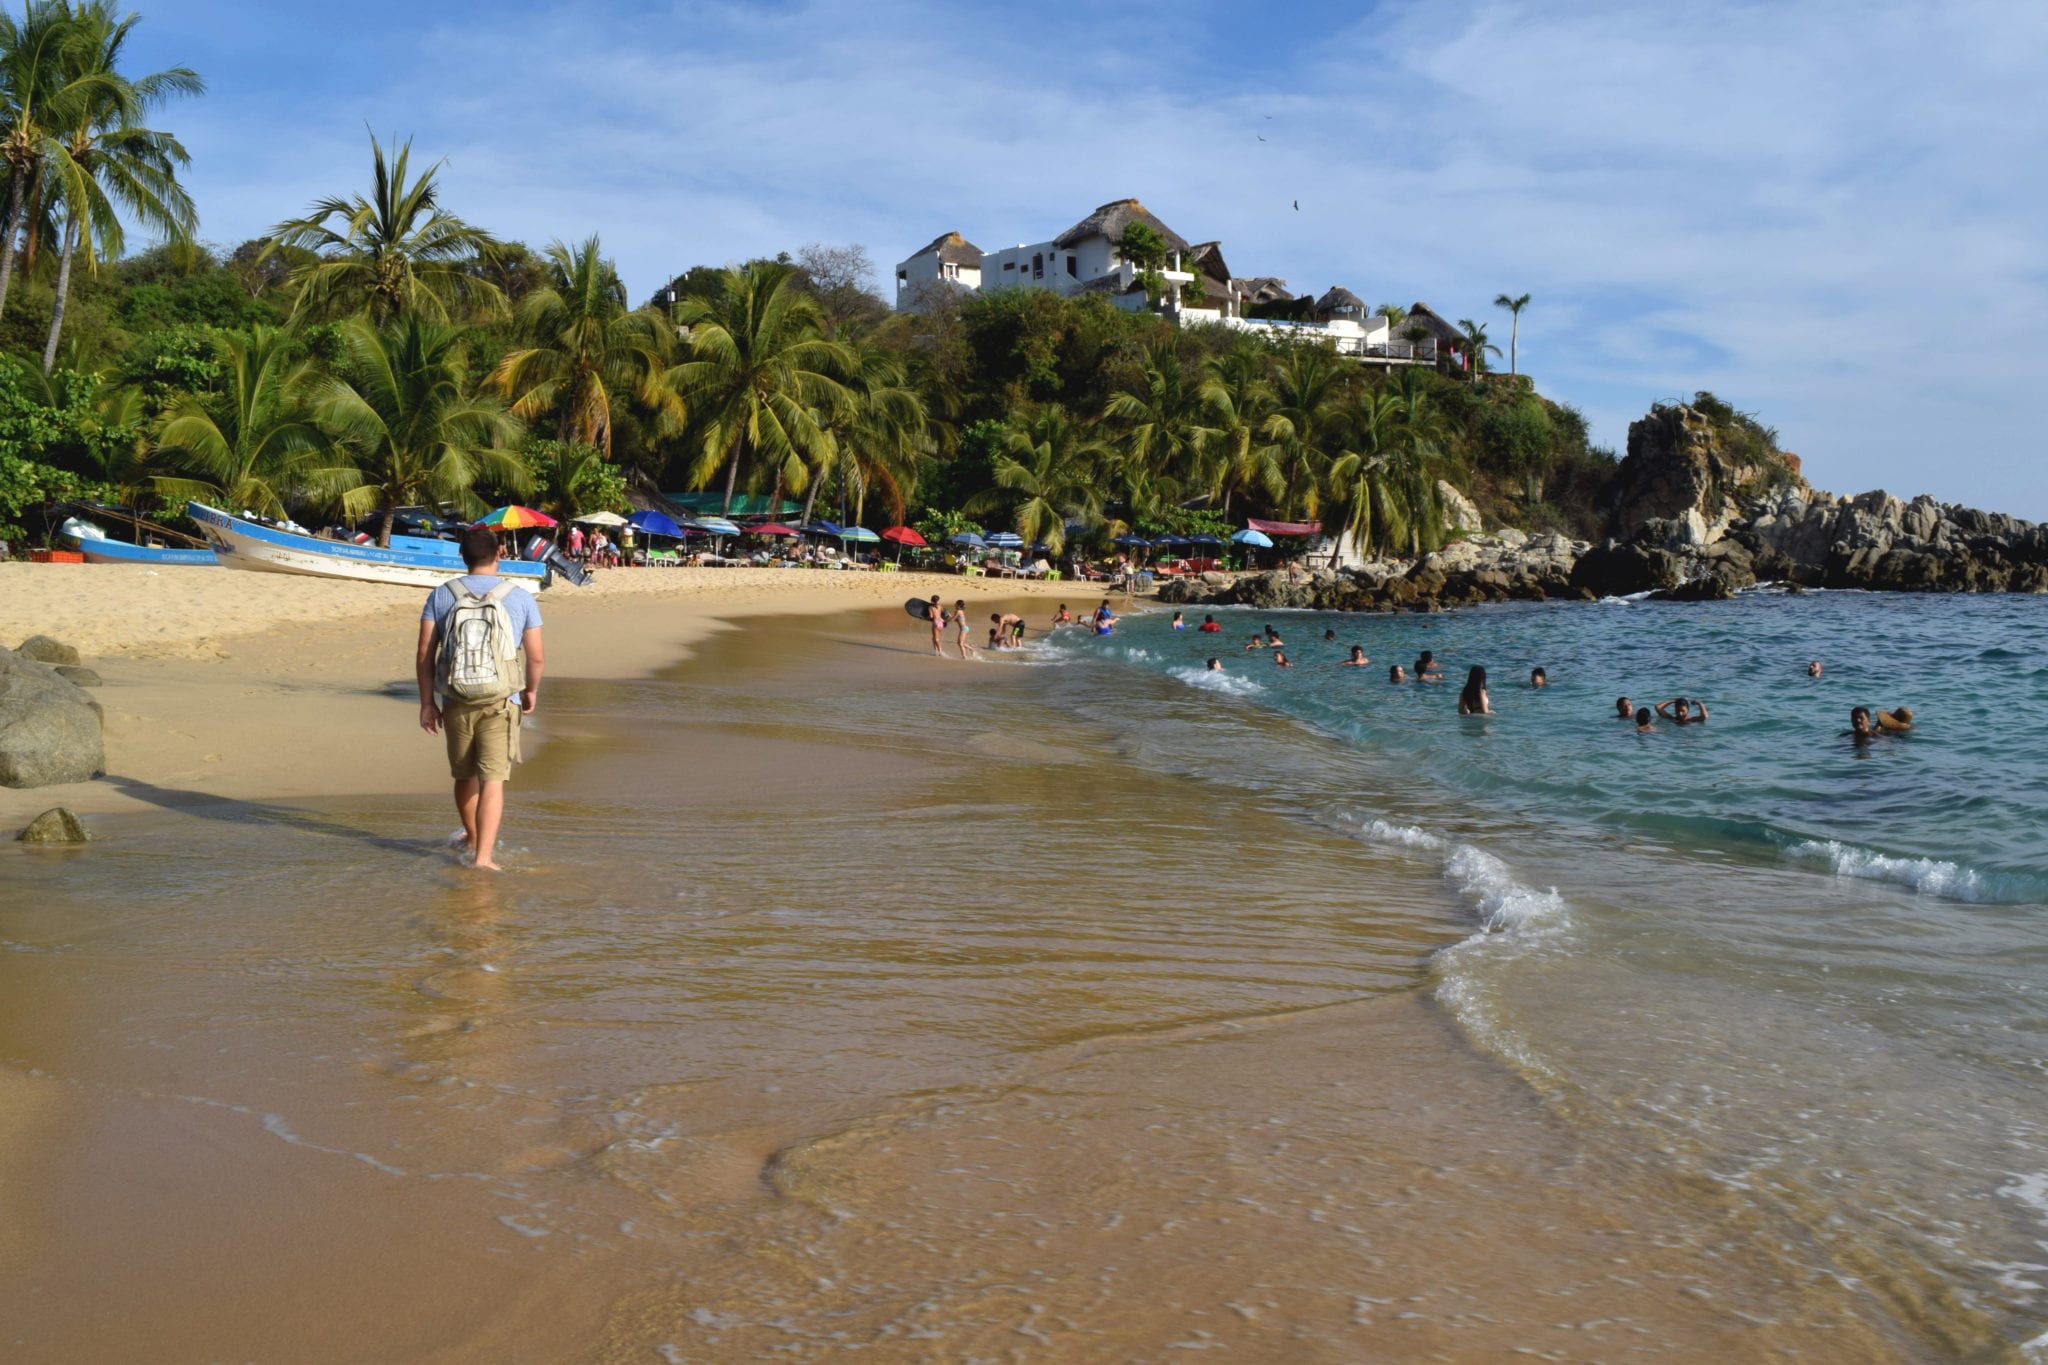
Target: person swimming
[
  {"x": 1357, "y": 659},
  {"x": 1427, "y": 669},
  {"x": 1256, "y": 642},
  {"x": 1280, "y": 659},
  {"x": 1396, "y": 674},
  {"x": 1646, "y": 719},
  {"x": 1063, "y": 617},
  {"x": 1273, "y": 637},
  {"x": 1179, "y": 622},
  {"x": 1472, "y": 701},
  {"x": 1329, "y": 635},
  {"x": 1683, "y": 712},
  {"x": 1813, "y": 669},
  {"x": 1209, "y": 626},
  {"x": 1859, "y": 726},
  {"x": 1215, "y": 665},
  {"x": 1538, "y": 678},
  {"x": 1623, "y": 709}
]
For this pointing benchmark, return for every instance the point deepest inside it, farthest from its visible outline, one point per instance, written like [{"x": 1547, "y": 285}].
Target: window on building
[
  {"x": 1009, "y": 265},
  {"x": 903, "y": 277},
  {"x": 1073, "y": 266},
  {"x": 1038, "y": 266}
]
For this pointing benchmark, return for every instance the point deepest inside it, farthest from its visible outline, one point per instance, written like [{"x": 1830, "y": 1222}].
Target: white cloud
[{"x": 1827, "y": 212}]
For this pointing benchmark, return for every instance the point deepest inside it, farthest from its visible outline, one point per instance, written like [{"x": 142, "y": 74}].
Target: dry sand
[{"x": 227, "y": 684}]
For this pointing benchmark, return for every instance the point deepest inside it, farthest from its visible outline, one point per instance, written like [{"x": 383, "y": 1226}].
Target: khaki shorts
[{"x": 483, "y": 741}]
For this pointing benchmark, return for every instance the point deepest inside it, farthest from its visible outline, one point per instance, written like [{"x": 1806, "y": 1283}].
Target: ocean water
[{"x": 1809, "y": 975}]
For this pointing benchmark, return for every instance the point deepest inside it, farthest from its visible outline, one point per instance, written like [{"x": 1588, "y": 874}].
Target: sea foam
[
  {"x": 1930, "y": 876},
  {"x": 1216, "y": 680}
]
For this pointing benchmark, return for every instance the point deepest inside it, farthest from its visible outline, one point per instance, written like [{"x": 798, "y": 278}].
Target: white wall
[{"x": 925, "y": 269}]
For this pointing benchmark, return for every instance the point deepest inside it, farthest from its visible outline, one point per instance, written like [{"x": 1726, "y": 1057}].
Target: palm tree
[
  {"x": 407, "y": 421},
  {"x": 1394, "y": 313},
  {"x": 585, "y": 345},
  {"x": 761, "y": 370},
  {"x": 1235, "y": 391},
  {"x": 103, "y": 162},
  {"x": 391, "y": 252},
  {"x": 565, "y": 473},
  {"x": 1476, "y": 343},
  {"x": 878, "y": 436},
  {"x": 1306, "y": 387},
  {"x": 40, "y": 92},
  {"x": 1514, "y": 306},
  {"x": 1050, "y": 459},
  {"x": 254, "y": 442},
  {"x": 1158, "y": 429},
  {"x": 1361, "y": 504}
]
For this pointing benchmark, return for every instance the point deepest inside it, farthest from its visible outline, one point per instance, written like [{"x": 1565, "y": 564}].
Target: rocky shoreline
[{"x": 1690, "y": 522}]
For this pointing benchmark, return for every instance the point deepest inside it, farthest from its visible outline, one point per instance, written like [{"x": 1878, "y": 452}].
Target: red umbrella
[
  {"x": 772, "y": 529},
  {"x": 903, "y": 535}
]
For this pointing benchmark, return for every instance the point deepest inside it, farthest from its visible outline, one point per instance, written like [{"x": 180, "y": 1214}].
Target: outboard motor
[{"x": 545, "y": 551}]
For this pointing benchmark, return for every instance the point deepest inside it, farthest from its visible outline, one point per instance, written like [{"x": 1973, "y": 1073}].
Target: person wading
[{"x": 479, "y": 667}]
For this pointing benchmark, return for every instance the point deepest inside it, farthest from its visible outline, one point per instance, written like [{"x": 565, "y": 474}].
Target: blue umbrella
[
  {"x": 1204, "y": 539},
  {"x": 860, "y": 535},
  {"x": 1132, "y": 542},
  {"x": 1251, "y": 537},
  {"x": 1006, "y": 540},
  {"x": 717, "y": 526},
  {"x": 655, "y": 524},
  {"x": 819, "y": 528},
  {"x": 1167, "y": 542},
  {"x": 967, "y": 539}
]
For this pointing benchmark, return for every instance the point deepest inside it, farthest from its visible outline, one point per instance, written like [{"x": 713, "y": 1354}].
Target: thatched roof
[
  {"x": 1109, "y": 284},
  {"x": 1422, "y": 315},
  {"x": 1340, "y": 299},
  {"x": 952, "y": 249},
  {"x": 1206, "y": 259},
  {"x": 1262, "y": 289},
  {"x": 1110, "y": 221}
]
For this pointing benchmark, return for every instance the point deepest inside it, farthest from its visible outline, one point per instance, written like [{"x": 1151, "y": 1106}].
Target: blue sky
[{"x": 1834, "y": 214}]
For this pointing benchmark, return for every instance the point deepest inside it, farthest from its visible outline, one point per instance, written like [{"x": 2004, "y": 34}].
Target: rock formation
[{"x": 49, "y": 727}]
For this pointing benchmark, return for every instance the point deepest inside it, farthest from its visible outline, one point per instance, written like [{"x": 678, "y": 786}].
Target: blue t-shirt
[{"x": 519, "y": 603}]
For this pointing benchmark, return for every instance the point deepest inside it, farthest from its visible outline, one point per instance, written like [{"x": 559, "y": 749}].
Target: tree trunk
[
  {"x": 384, "y": 519},
  {"x": 12, "y": 230},
  {"x": 1515, "y": 346},
  {"x": 63, "y": 293},
  {"x": 810, "y": 501}
]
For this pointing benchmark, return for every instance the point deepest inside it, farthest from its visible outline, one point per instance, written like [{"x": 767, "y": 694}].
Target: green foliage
[
  {"x": 565, "y": 479},
  {"x": 56, "y": 443},
  {"x": 937, "y": 527}
]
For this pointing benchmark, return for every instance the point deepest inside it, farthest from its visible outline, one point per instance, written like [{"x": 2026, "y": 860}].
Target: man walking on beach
[{"x": 479, "y": 667}]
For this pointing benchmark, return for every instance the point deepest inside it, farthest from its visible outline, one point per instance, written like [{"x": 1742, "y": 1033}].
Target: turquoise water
[{"x": 1807, "y": 973}]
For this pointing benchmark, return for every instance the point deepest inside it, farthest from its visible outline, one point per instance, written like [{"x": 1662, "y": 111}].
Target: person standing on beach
[
  {"x": 479, "y": 667},
  {"x": 960, "y": 628},
  {"x": 936, "y": 614}
]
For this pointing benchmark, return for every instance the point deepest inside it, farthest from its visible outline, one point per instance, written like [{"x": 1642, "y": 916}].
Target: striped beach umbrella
[{"x": 515, "y": 518}]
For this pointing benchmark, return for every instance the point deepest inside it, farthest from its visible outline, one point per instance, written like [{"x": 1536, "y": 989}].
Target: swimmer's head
[
  {"x": 1358, "y": 653},
  {"x": 1329, "y": 635},
  {"x": 1644, "y": 717},
  {"x": 1622, "y": 708},
  {"x": 1537, "y": 678},
  {"x": 1215, "y": 665},
  {"x": 1396, "y": 674}
]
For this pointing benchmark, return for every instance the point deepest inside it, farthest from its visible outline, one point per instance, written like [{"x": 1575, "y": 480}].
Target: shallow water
[{"x": 1068, "y": 1006}]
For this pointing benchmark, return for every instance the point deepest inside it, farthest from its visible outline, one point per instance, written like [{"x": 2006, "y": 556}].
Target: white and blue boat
[
  {"x": 90, "y": 541},
  {"x": 410, "y": 561}
]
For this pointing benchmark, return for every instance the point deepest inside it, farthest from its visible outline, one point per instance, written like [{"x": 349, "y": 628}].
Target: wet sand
[{"x": 837, "y": 999}]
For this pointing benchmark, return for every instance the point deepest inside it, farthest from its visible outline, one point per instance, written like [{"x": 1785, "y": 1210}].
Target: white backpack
[{"x": 479, "y": 660}]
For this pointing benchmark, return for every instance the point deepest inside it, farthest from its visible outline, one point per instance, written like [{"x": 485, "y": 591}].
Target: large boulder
[
  {"x": 49, "y": 728},
  {"x": 1615, "y": 570},
  {"x": 45, "y": 650},
  {"x": 1460, "y": 512}
]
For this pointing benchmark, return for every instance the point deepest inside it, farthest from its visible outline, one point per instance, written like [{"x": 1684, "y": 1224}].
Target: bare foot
[{"x": 485, "y": 865}]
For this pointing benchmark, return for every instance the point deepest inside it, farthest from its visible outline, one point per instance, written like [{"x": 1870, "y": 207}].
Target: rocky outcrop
[
  {"x": 1683, "y": 468},
  {"x": 49, "y": 727},
  {"x": 1503, "y": 567},
  {"x": 54, "y": 826},
  {"x": 1461, "y": 514}
]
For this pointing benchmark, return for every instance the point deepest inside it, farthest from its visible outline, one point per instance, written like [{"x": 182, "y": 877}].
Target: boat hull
[
  {"x": 243, "y": 544},
  {"x": 121, "y": 552}
]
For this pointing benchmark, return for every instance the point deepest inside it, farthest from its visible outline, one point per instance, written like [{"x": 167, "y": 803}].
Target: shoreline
[{"x": 239, "y": 686}]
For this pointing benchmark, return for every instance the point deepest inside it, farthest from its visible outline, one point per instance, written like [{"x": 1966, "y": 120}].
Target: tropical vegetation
[{"x": 380, "y": 351}]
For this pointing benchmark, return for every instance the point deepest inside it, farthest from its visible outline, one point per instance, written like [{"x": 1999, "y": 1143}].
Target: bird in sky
[
  {"x": 1297, "y": 206},
  {"x": 1260, "y": 138}
]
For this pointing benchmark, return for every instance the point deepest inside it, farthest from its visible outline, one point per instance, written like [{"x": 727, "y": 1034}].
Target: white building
[
  {"x": 947, "y": 261},
  {"x": 1196, "y": 286}
]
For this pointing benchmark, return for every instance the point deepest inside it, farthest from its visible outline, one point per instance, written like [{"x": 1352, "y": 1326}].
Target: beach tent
[{"x": 600, "y": 519}]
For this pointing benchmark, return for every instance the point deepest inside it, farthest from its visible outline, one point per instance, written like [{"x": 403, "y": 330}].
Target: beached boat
[
  {"x": 102, "y": 551},
  {"x": 245, "y": 544}
]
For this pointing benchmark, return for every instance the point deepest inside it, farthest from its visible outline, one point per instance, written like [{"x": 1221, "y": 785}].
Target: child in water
[
  {"x": 960, "y": 628},
  {"x": 1179, "y": 622}
]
